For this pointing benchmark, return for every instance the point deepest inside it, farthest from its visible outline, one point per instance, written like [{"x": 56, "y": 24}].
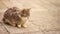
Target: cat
[{"x": 16, "y": 17}]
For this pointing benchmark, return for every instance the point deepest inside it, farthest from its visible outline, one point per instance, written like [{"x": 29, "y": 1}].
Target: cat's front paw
[
  {"x": 24, "y": 26},
  {"x": 19, "y": 26}
]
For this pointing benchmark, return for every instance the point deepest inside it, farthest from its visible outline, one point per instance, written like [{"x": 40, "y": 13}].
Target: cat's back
[{"x": 11, "y": 13}]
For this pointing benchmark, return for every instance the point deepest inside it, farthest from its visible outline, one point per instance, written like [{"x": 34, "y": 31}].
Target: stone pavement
[
  {"x": 44, "y": 19},
  {"x": 32, "y": 29}
]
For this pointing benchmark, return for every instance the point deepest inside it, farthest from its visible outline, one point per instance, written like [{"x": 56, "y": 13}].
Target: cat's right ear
[{"x": 29, "y": 9}]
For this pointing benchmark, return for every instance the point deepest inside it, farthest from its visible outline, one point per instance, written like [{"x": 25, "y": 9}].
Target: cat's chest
[{"x": 24, "y": 18}]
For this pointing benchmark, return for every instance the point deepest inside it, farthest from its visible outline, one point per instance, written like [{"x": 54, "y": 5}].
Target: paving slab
[
  {"x": 45, "y": 15},
  {"x": 52, "y": 32},
  {"x": 30, "y": 28},
  {"x": 3, "y": 29}
]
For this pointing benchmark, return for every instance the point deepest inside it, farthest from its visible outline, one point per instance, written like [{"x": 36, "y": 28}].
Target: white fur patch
[
  {"x": 19, "y": 25},
  {"x": 24, "y": 18}
]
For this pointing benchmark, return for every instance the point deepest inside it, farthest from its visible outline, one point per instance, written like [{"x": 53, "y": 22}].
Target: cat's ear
[
  {"x": 25, "y": 10},
  {"x": 29, "y": 9}
]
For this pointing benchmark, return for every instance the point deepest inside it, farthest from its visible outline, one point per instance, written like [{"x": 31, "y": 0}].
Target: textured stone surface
[
  {"x": 2, "y": 29},
  {"x": 52, "y": 32},
  {"x": 44, "y": 19}
]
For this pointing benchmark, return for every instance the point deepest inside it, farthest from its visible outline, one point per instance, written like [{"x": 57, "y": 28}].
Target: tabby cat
[{"x": 16, "y": 17}]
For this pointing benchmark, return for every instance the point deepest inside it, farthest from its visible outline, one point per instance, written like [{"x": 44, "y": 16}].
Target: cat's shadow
[{"x": 9, "y": 25}]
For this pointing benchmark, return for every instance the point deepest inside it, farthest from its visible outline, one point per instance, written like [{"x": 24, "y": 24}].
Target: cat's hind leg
[{"x": 9, "y": 22}]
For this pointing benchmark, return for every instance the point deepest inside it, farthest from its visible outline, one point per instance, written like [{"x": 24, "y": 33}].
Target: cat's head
[{"x": 25, "y": 12}]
